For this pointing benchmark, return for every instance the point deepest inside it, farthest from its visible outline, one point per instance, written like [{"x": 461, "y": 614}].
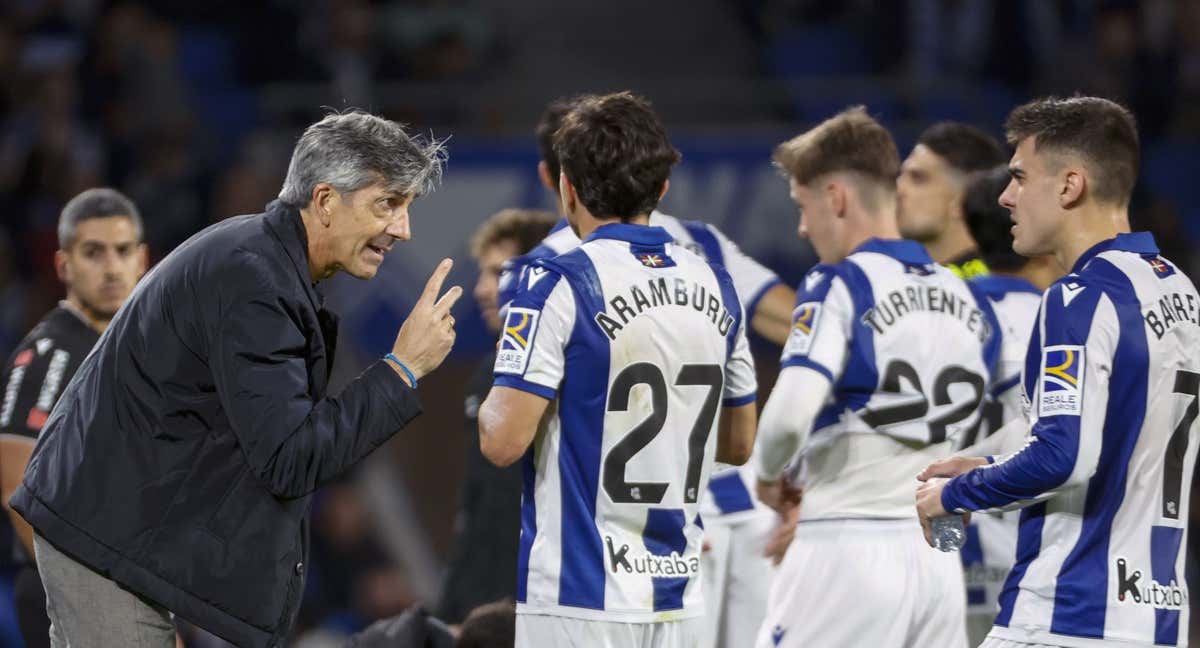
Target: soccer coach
[{"x": 176, "y": 471}]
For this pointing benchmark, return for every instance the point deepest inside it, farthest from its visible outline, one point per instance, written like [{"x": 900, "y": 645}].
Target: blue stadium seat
[
  {"x": 1169, "y": 172},
  {"x": 824, "y": 51}
]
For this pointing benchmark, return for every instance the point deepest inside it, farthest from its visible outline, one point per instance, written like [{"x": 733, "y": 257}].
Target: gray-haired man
[{"x": 175, "y": 472}]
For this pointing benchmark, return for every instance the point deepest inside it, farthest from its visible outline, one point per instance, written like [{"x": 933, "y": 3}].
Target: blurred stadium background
[{"x": 192, "y": 108}]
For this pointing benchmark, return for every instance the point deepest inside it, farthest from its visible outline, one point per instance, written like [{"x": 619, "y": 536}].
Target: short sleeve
[
  {"x": 821, "y": 324},
  {"x": 537, "y": 327},
  {"x": 31, "y": 384},
  {"x": 741, "y": 383}
]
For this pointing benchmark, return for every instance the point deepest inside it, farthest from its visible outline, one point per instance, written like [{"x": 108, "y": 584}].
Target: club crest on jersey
[
  {"x": 1160, "y": 267},
  {"x": 1062, "y": 381},
  {"x": 652, "y": 257},
  {"x": 520, "y": 325},
  {"x": 804, "y": 322}
]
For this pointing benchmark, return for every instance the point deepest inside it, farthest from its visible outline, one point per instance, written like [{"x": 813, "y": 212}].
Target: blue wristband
[{"x": 407, "y": 372}]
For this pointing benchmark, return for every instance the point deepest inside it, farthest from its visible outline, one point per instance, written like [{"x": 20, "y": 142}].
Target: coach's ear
[{"x": 323, "y": 195}]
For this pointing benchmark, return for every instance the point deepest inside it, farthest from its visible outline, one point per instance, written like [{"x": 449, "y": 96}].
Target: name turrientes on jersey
[{"x": 896, "y": 304}]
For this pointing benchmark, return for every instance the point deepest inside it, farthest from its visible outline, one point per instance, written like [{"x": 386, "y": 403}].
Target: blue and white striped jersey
[
  {"x": 1113, "y": 379},
  {"x": 990, "y": 549},
  {"x": 730, "y": 493},
  {"x": 637, "y": 342},
  {"x": 908, "y": 349}
]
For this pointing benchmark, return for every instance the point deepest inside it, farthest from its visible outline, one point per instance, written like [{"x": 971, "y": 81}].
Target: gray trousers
[{"x": 87, "y": 610}]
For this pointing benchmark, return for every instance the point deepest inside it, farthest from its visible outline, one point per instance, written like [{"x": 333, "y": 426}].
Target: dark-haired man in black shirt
[
  {"x": 101, "y": 256},
  {"x": 930, "y": 188}
]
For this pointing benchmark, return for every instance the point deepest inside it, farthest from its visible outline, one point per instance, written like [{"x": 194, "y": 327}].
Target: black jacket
[
  {"x": 483, "y": 563},
  {"x": 180, "y": 459}
]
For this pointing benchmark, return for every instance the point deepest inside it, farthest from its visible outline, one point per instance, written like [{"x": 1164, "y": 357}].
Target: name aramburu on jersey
[{"x": 661, "y": 292}]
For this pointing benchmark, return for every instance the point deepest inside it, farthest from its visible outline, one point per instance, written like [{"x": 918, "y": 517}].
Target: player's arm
[
  {"x": 1072, "y": 362},
  {"x": 15, "y": 452},
  {"x": 259, "y": 357},
  {"x": 735, "y": 434},
  {"x": 772, "y": 316},
  {"x": 508, "y": 421},
  {"x": 798, "y": 396},
  {"x": 530, "y": 359},
  {"x": 812, "y": 360},
  {"x": 767, "y": 300},
  {"x": 738, "y": 423},
  {"x": 19, "y": 429}
]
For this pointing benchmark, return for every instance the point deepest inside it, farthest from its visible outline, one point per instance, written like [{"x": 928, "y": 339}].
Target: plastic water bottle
[{"x": 949, "y": 534}]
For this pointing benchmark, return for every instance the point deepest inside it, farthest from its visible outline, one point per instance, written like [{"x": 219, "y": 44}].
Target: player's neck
[
  {"x": 95, "y": 320},
  {"x": 1039, "y": 271},
  {"x": 1092, "y": 225},
  {"x": 589, "y": 223},
  {"x": 953, "y": 244},
  {"x": 869, "y": 226}
]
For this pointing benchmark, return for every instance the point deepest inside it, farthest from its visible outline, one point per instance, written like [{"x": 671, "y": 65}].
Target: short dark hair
[
  {"x": 964, "y": 147},
  {"x": 1101, "y": 132},
  {"x": 849, "y": 141},
  {"x": 492, "y": 625},
  {"x": 548, "y": 124},
  {"x": 990, "y": 223},
  {"x": 525, "y": 227},
  {"x": 99, "y": 202},
  {"x": 614, "y": 150}
]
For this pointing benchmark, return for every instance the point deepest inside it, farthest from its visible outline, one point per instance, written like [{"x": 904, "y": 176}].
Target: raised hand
[{"x": 426, "y": 337}]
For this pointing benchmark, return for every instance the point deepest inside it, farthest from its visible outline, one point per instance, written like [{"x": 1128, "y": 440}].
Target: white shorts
[
  {"x": 546, "y": 631},
  {"x": 737, "y": 578},
  {"x": 850, "y": 583}
]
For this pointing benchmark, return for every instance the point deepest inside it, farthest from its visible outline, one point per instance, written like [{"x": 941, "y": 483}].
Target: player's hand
[
  {"x": 951, "y": 467},
  {"x": 427, "y": 335},
  {"x": 929, "y": 505},
  {"x": 782, "y": 535},
  {"x": 778, "y": 494}
]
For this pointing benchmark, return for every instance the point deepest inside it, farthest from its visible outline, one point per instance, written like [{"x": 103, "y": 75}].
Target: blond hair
[
  {"x": 525, "y": 227},
  {"x": 849, "y": 141}
]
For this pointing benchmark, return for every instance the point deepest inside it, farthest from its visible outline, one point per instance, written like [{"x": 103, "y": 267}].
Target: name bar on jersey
[
  {"x": 1169, "y": 311},
  {"x": 933, "y": 299},
  {"x": 661, "y": 293}
]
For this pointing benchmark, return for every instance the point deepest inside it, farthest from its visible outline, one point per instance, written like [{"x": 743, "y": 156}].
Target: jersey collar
[
  {"x": 1137, "y": 242},
  {"x": 636, "y": 234},
  {"x": 900, "y": 249}
]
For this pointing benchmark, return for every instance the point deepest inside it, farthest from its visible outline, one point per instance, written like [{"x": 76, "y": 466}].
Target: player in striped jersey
[
  {"x": 930, "y": 187},
  {"x": 886, "y": 367},
  {"x": 1014, "y": 288},
  {"x": 1113, "y": 381},
  {"x": 736, "y": 573},
  {"x": 614, "y": 361}
]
